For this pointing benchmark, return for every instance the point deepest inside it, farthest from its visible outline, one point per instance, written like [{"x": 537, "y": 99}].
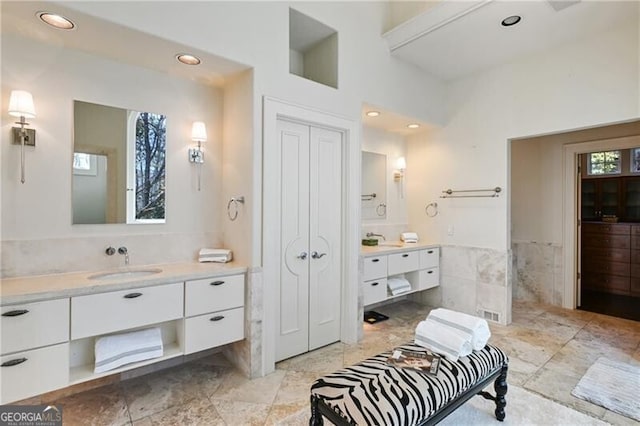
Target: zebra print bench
[{"x": 373, "y": 392}]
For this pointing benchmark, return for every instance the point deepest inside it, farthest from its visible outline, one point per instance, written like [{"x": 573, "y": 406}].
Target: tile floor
[{"x": 549, "y": 348}]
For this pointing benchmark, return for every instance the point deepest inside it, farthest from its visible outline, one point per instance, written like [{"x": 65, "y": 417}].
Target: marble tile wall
[
  {"x": 473, "y": 280},
  {"x": 50, "y": 256},
  {"x": 538, "y": 272},
  {"x": 246, "y": 355}
]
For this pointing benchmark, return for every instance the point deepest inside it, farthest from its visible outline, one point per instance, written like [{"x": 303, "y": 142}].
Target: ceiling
[
  {"x": 392, "y": 122},
  {"x": 122, "y": 44},
  {"x": 455, "y": 39}
]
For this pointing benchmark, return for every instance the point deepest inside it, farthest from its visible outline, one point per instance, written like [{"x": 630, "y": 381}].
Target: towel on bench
[
  {"x": 476, "y": 328},
  {"x": 442, "y": 339}
]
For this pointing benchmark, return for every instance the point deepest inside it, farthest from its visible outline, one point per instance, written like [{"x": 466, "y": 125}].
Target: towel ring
[
  {"x": 234, "y": 201},
  {"x": 431, "y": 209},
  {"x": 381, "y": 209}
]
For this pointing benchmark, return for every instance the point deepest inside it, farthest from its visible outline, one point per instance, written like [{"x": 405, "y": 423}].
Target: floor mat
[
  {"x": 612, "y": 385},
  {"x": 373, "y": 317}
]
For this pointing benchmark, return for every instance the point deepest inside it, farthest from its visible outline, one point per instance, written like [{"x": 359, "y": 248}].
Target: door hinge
[
  {"x": 578, "y": 275},
  {"x": 579, "y": 169},
  {"x": 579, "y": 222}
]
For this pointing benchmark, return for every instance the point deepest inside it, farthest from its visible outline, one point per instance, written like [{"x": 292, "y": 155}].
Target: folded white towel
[
  {"x": 215, "y": 255},
  {"x": 398, "y": 285},
  {"x": 119, "y": 349},
  {"x": 476, "y": 328},
  {"x": 443, "y": 339}
]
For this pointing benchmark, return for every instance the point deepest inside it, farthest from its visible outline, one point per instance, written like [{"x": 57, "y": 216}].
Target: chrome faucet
[
  {"x": 123, "y": 250},
  {"x": 371, "y": 234}
]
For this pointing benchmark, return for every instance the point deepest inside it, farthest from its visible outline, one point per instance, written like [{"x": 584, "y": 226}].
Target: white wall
[
  {"x": 40, "y": 210},
  {"x": 578, "y": 85}
]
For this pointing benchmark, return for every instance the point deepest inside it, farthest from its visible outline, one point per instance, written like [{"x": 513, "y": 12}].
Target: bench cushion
[{"x": 373, "y": 392}]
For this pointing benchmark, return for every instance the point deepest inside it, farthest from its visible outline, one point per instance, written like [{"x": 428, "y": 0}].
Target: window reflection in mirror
[
  {"x": 374, "y": 186},
  {"x": 127, "y": 150}
]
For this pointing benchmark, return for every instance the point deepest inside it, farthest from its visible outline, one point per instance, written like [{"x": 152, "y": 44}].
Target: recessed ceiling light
[
  {"x": 413, "y": 126},
  {"x": 373, "y": 113},
  {"x": 56, "y": 21},
  {"x": 511, "y": 20},
  {"x": 188, "y": 59}
]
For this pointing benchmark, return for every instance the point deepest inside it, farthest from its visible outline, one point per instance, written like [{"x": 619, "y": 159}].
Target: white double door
[{"x": 310, "y": 200}]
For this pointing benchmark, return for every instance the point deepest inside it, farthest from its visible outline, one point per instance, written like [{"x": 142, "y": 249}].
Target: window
[
  {"x": 604, "y": 163},
  {"x": 635, "y": 160},
  {"x": 84, "y": 164}
]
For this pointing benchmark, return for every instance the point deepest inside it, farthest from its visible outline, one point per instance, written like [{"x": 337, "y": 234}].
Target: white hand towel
[
  {"x": 119, "y": 349},
  {"x": 215, "y": 255},
  {"x": 442, "y": 339},
  {"x": 398, "y": 285},
  {"x": 476, "y": 328}
]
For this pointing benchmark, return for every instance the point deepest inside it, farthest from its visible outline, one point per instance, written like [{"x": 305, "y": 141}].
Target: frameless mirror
[
  {"x": 374, "y": 185},
  {"x": 118, "y": 170}
]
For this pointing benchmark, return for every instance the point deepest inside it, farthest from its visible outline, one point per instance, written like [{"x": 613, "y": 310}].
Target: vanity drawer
[
  {"x": 33, "y": 325},
  {"x": 429, "y": 278},
  {"x": 399, "y": 263},
  {"x": 430, "y": 258},
  {"x": 208, "y": 331},
  {"x": 213, "y": 294},
  {"x": 120, "y": 310},
  {"x": 375, "y": 267},
  {"x": 34, "y": 372},
  {"x": 375, "y": 291}
]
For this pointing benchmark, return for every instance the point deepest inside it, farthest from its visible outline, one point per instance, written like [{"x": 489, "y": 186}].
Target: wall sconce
[
  {"x": 196, "y": 155},
  {"x": 401, "y": 166},
  {"x": 398, "y": 175},
  {"x": 21, "y": 105}
]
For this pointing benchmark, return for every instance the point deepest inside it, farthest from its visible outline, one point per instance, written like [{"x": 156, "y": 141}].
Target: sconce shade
[
  {"x": 21, "y": 104},
  {"x": 402, "y": 163},
  {"x": 198, "y": 131}
]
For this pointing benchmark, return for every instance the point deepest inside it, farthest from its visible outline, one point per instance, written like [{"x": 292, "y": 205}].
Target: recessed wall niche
[{"x": 313, "y": 49}]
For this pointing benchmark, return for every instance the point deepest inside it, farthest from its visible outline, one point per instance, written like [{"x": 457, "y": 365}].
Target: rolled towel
[
  {"x": 398, "y": 285},
  {"x": 476, "y": 328},
  {"x": 443, "y": 339},
  {"x": 119, "y": 349}
]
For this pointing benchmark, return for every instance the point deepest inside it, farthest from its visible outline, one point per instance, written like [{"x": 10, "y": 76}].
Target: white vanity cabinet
[
  {"x": 35, "y": 349},
  {"x": 419, "y": 265},
  {"x": 49, "y": 344},
  {"x": 214, "y": 311}
]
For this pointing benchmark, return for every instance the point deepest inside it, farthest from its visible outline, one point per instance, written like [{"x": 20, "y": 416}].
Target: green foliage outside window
[{"x": 604, "y": 163}]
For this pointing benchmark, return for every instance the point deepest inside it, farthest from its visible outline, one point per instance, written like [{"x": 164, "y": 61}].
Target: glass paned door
[
  {"x": 609, "y": 193},
  {"x": 588, "y": 199},
  {"x": 632, "y": 199}
]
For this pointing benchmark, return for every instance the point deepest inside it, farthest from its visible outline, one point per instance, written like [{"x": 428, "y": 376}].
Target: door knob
[
  {"x": 302, "y": 255},
  {"x": 317, "y": 255}
]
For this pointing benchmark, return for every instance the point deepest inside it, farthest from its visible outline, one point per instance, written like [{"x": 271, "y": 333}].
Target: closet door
[
  {"x": 325, "y": 171},
  {"x": 292, "y": 313},
  {"x": 310, "y": 199}
]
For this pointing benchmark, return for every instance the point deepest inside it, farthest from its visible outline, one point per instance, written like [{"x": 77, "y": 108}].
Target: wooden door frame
[{"x": 273, "y": 110}]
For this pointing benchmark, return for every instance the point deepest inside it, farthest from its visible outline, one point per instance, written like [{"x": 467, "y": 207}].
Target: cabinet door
[
  {"x": 609, "y": 197},
  {"x": 589, "y": 207},
  {"x": 632, "y": 199}
]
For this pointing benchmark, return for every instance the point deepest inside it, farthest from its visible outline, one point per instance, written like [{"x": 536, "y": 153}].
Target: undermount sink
[
  {"x": 131, "y": 273},
  {"x": 390, "y": 244}
]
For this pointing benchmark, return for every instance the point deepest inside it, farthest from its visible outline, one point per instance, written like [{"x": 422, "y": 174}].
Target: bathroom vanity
[
  {"x": 419, "y": 263},
  {"x": 50, "y": 323}
]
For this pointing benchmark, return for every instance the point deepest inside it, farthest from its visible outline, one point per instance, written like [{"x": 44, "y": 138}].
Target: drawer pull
[
  {"x": 430, "y": 252},
  {"x": 217, "y": 283},
  {"x": 217, "y": 318},
  {"x": 13, "y": 362},
  {"x": 374, "y": 284},
  {"x": 15, "y": 313},
  {"x": 429, "y": 272},
  {"x": 405, "y": 255},
  {"x": 132, "y": 295},
  {"x": 375, "y": 260}
]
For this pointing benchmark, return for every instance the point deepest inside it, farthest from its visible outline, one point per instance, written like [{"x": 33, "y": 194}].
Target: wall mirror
[
  {"x": 374, "y": 185},
  {"x": 118, "y": 172}
]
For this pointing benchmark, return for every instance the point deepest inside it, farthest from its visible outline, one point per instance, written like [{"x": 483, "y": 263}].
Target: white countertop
[
  {"x": 55, "y": 286},
  {"x": 389, "y": 247}
]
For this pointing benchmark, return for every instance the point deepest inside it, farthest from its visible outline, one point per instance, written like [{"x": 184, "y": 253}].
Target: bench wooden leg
[
  {"x": 500, "y": 386},
  {"x": 316, "y": 416}
]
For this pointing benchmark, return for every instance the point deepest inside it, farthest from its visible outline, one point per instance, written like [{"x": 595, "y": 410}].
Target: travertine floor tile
[
  {"x": 322, "y": 360},
  {"x": 101, "y": 406},
  {"x": 198, "y": 411},
  {"x": 236, "y": 387},
  {"x": 242, "y": 413}
]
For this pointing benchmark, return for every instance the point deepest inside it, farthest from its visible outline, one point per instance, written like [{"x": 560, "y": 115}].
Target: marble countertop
[
  {"x": 55, "y": 286},
  {"x": 389, "y": 247}
]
